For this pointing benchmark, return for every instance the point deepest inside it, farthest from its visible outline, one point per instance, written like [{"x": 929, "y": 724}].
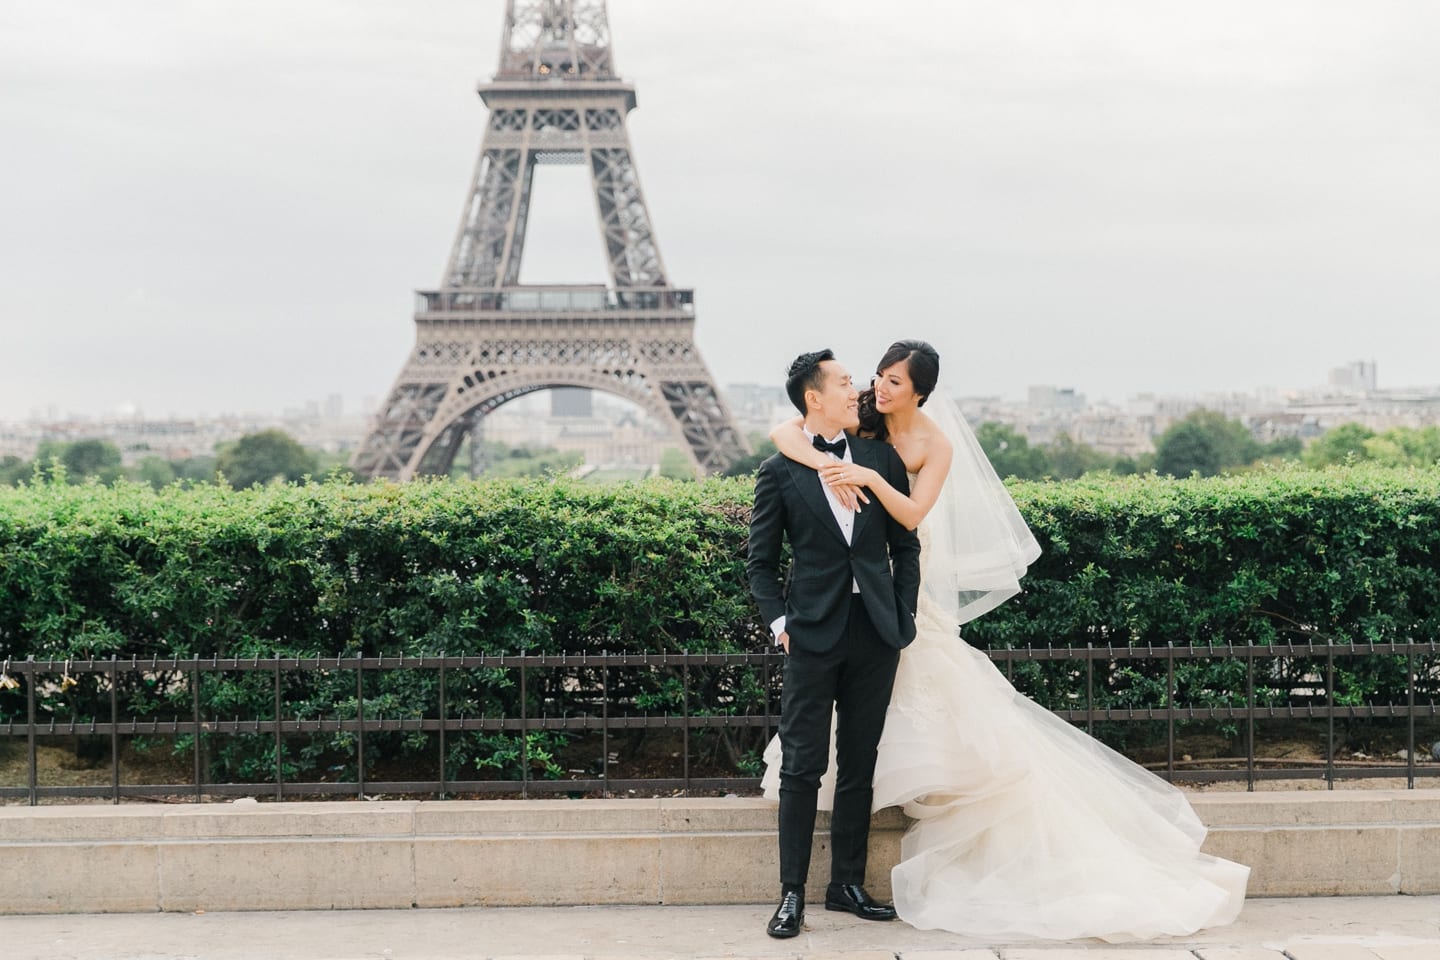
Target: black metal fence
[{"x": 1313, "y": 704}]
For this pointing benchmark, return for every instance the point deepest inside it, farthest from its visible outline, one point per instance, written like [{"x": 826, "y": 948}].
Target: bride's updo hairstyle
[{"x": 922, "y": 362}]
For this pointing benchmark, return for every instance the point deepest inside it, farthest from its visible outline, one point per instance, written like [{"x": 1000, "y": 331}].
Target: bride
[{"x": 1024, "y": 826}]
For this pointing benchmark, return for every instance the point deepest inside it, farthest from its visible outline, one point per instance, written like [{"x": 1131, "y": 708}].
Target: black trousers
[{"x": 855, "y": 678}]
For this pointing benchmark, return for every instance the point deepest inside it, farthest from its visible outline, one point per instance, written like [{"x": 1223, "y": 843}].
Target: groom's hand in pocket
[{"x": 784, "y": 641}]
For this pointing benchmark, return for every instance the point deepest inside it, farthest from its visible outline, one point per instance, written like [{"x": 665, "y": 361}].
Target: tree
[
  {"x": 1337, "y": 445},
  {"x": 1187, "y": 448},
  {"x": 1010, "y": 453},
  {"x": 532, "y": 462},
  {"x": 763, "y": 447},
  {"x": 265, "y": 456},
  {"x": 676, "y": 465},
  {"x": 80, "y": 460},
  {"x": 13, "y": 470},
  {"x": 156, "y": 471},
  {"x": 1207, "y": 443},
  {"x": 1127, "y": 466},
  {"x": 1406, "y": 447},
  {"x": 1282, "y": 448},
  {"x": 91, "y": 458},
  {"x": 1069, "y": 459},
  {"x": 196, "y": 469},
  {"x": 334, "y": 466}
]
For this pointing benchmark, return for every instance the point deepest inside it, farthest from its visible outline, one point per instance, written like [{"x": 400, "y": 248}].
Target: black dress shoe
[
  {"x": 789, "y": 916},
  {"x": 852, "y": 898}
]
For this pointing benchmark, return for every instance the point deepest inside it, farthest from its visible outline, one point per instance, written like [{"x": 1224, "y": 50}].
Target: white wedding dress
[{"x": 1024, "y": 826}]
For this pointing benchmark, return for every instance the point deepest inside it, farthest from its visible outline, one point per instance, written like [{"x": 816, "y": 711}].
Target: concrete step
[{"x": 352, "y": 854}]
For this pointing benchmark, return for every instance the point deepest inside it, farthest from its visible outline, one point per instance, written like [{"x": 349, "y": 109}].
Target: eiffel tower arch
[{"x": 484, "y": 338}]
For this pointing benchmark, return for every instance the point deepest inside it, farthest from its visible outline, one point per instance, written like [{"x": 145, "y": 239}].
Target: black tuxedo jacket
[{"x": 883, "y": 556}]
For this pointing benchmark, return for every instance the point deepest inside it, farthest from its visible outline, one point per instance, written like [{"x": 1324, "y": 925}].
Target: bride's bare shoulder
[
  {"x": 935, "y": 433},
  {"x": 924, "y": 444},
  {"x": 927, "y": 447},
  {"x": 934, "y": 437}
]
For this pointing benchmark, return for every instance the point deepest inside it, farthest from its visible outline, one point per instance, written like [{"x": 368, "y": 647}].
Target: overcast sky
[{"x": 217, "y": 205}]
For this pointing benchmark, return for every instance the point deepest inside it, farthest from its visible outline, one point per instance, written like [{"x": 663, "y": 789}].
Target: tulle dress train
[{"x": 1024, "y": 826}]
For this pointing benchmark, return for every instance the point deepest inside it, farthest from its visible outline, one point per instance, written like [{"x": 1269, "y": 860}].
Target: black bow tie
[{"x": 837, "y": 448}]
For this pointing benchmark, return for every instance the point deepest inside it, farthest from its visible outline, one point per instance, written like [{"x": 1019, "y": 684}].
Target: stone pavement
[{"x": 1312, "y": 928}]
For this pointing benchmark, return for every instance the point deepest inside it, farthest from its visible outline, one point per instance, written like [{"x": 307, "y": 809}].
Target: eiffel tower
[{"x": 484, "y": 338}]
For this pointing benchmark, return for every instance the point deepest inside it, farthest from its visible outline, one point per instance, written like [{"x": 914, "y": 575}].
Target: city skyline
[
  {"x": 228, "y": 208},
  {"x": 610, "y": 432},
  {"x": 1342, "y": 379}
]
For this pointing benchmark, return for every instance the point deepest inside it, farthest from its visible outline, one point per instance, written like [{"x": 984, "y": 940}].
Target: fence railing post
[
  {"x": 360, "y": 726},
  {"x": 32, "y": 777},
  {"x": 1250, "y": 718},
  {"x": 1090, "y": 687},
  {"x": 443, "y": 778},
  {"x": 1329, "y": 713},
  {"x": 685, "y": 719},
  {"x": 279, "y": 740},
  {"x": 524, "y": 735},
  {"x": 605, "y": 722},
  {"x": 195, "y": 717},
  {"x": 114, "y": 672},
  {"x": 1410, "y": 714},
  {"x": 1170, "y": 709},
  {"x": 767, "y": 678}
]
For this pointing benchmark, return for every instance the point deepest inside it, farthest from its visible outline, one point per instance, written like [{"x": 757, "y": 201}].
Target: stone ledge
[
  {"x": 351, "y": 854},
  {"x": 1318, "y": 807}
]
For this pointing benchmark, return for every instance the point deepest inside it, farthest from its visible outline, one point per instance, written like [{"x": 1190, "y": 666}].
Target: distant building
[
  {"x": 632, "y": 440},
  {"x": 757, "y": 407},
  {"x": 1142, "y": 405},
  {"x": 1063, "y": 399},
  {"x": 177, "y": 439},
  {"x": 1281, "y": 425},
  {"x": 1357, "y": 375},
  {"x": 572, "y": 402}
]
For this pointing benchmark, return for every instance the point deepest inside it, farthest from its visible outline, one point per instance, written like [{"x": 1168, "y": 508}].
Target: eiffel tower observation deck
[{"x": 483, "y": 338}]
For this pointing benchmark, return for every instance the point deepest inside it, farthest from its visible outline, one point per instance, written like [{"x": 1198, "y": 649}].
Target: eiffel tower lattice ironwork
[{"x": 484, "y": 338}]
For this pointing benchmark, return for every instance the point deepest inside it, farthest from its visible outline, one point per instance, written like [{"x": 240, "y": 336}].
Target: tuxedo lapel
[{"x": 812, "y": 491}]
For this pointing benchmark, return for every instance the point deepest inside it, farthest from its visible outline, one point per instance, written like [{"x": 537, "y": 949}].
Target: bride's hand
[
  {"x": 840, "y": 473},
  {"x": 845, "y": 481}
]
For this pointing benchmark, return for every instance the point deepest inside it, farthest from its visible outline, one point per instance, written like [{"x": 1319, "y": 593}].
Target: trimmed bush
[
  {"x": 504, "y": 567},
  {"x": 1344, "y": 554},
  {"x": 557, "y": 566}
]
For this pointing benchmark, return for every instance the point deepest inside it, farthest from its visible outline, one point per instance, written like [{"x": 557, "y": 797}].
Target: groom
[{"x": 855, "y": 578}]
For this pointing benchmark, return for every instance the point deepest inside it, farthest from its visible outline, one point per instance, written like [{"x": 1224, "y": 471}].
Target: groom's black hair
[{"x": 805, "y": 374}]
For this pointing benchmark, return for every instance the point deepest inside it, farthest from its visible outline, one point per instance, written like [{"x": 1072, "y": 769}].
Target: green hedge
[
  {"x": 1291, "y": 555},
  {"x": 549, "y": 566},
  {"x": 501, "y": 567},
  {"x": 1243, "y": 559},
  {"x": 512, "y": 567}
]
